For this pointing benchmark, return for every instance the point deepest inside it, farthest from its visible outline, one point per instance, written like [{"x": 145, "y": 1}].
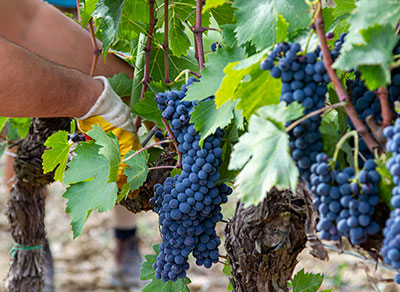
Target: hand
[{"x": 112, "y": 115}]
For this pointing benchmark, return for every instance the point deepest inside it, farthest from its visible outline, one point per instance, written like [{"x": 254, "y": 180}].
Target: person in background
[{"x": 45, "y": 59}]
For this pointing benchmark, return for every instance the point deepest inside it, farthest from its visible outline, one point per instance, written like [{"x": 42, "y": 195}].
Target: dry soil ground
[{"x": 84, "y": 264}]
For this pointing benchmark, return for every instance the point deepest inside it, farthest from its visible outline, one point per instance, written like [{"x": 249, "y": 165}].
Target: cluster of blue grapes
[
  {"x": 188, "y": 205},
  {"x": 304, "y": 80},
  {"x": 345, "y": 206},
  {"x": 338, "y": 44},
  {"x": 391, "y": 243}
]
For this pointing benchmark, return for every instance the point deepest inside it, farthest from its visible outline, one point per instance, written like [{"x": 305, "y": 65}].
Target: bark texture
[
  {"x": 263, "y": 241},
  {"x": 25, "y": 206},
  {"x": 139, "y": 201}
]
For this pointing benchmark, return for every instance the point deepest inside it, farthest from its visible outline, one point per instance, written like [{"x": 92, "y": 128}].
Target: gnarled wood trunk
[
  {"x": 25, "y": 206},
  {"x": 263, "y": 241}
]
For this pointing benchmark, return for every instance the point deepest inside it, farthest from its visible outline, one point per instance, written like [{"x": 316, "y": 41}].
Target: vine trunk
[
  {"x": 25, "y": 207},
  {"x": 263, "y": 241}
]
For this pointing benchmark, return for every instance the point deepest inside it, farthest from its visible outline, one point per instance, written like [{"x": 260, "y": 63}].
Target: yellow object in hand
[{"x": 113, "y": 115}]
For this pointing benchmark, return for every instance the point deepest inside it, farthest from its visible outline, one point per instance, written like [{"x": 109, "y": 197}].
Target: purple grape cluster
[
  {"x": 189, "y": 205},
  {"x": 304, "y": 80},
  {"x": 391, "y": 243},
  {"x": 345, "y": 205}
]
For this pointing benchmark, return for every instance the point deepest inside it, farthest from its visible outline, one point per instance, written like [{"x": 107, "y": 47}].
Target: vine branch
[
  {"x": 78, "y": 10},
  {"x": 198, "y": 30},
  {"x": 147, "y": 50},
  {"x": 96, "y": 50},
  {"x": 145, "y": 148},
  {"x": 149, "y": 136},
  {"x": 165, "y": 45},
  {"x": 162, "y": 167},
  {"x": 173, "y": 138},
  {"x": 387, "y": 114},
  {"x": 314, "y": 113},
  {"x": 341, "y": 92}
]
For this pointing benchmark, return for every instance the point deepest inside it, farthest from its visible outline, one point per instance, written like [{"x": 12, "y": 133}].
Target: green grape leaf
[
  {"x": 136, "y": 11},
  {"x": 110, "y": 149},
  {"x": 344, "y": 7},
  {"x": 147, "y": 273},
  {"x": 370, "y": 40},
  {"x": 224, "y": 14},
  {"x": 228, "y": 33},
  {"x": 306, "y": 282},
  {"x": 3, "y": 147},
  {"x": 247, "y": 82},
  {"x": 261, "y": 170},
  {"x": 20, "y": 127},
  {"x": 87, "y": 9},
  {"x": 213, "y": 74},
  {"x": 121, "y": 84},
  {"x": 212, "y": 4},
  {"x": 207, "y": 119},
  {"x": 179, "y": 42},
  {"x": 186, "y": 9},
  {"x": 373, "y": 57},
  {"x": 257, "y": 19},
  {"x": 147, "y": 108},
  {"x": 386, "y": 184},
  {"x": 89, "y": 187},
  {"x": 3, "y": 122},
  {"x": 176, "y": 64},
  {"x": 282, "y": 28},
  {"x": 137, "y": 170},
  {"x": 92, "y": 178},
  {"x": 227, "y": 270},
  {"x": 108, "y": 17},
  {"x": 56, "y": 156}
]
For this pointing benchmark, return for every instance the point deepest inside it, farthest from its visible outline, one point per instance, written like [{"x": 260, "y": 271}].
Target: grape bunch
[
  {"x": 304, "y": 80},
  {"x": 345, "y": 206},
  {"x": 188, "y": 205},
  {"x": 391, "y": 243},
  {"x": 337, "y": 46}
]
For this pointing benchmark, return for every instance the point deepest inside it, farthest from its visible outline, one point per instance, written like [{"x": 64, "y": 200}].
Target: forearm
[
  {"x": 45, "y": 31},
  {"x": 33, "y": 87}
]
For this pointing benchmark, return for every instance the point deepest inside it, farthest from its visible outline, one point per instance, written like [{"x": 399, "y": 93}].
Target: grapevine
[{"x": 279, "y": 88}]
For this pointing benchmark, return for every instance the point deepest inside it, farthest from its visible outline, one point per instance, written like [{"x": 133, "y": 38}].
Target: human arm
[
  {"x": 45, "y": 31},
  {"x": 31, "y": 86}
]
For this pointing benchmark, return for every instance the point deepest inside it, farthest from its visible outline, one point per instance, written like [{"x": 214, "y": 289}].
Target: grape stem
[
  {"x": 185, "y": 72},
  {"x": 143, "y": 149},
  {"x": 308, "y": 41},
  {"x": 225, "y": 264},
  {"x": 162, "y": 167},
  {"x": 147, "y": 50},
  {"x": 387, "y": 114},
  {"x": 78, "y": 10},
  {"x": 360, "y": 257},
  {"x": 339, "y": 146},
  {"x": 149, "y": 136},
  {"x": 314, "y": 113},
  {"x": 172, "y": 136},
  {"x": 341, "y": 92},
  {"x": 96, "y": 50},
  {"x": 165, "y": 45},
  {"x": 198, "y": 30}
]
